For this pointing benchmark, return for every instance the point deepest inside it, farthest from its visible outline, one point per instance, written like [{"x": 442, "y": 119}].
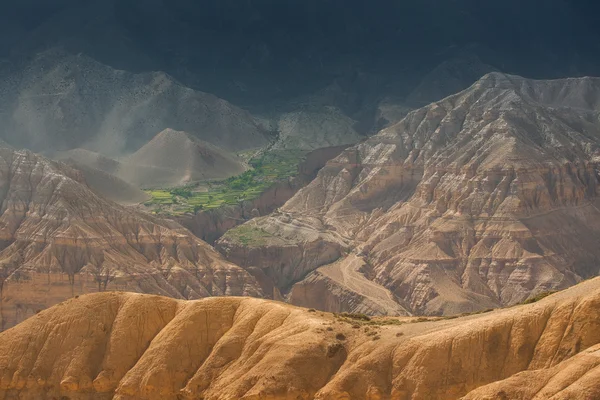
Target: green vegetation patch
[
  {"x": 248, "y": 235},
  {"x": 267, "y": 170}
]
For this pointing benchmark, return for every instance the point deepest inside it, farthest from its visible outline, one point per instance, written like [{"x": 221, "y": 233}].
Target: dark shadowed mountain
[{"x": 267, "y": 56}]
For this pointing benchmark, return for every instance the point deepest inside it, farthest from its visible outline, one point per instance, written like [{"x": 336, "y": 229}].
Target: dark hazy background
[
  {"x": 249, "y": 50},
  {"x": 355, "y": 65}
]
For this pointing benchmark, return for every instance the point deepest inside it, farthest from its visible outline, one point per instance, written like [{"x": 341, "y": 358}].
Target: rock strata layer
[
  {"x": 477, "y": 201},
  {"x": 59, "y": 239}
]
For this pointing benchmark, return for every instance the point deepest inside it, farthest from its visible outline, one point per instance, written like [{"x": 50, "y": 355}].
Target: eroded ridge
[
  {"x": 59, "y": 239},
  {"x": 477, "y": 201},
  {"x": 133, "y": 346}
]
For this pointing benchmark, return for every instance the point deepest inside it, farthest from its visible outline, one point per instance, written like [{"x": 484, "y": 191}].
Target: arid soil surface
[{"x": 134, "y": 346}]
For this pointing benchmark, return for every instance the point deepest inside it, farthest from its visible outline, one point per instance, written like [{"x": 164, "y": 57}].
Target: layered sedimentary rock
[
  {"x": 59, "y": 239},
  {"x": 134, "y": 346},
  {"x": 476, "y": 201}
]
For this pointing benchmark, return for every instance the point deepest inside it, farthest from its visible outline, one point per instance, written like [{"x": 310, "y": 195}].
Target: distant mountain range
[{"x": 109, "y": 75}]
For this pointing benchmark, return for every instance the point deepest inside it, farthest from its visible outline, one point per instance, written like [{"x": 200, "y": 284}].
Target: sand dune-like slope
[
  {"x": 132, "y": 346},
  {"x": 100, "y": 173},
  {"x": 90, "y": 159},
  {"x": 110, "y": 186},
  {"x": 173, "y": 158}
]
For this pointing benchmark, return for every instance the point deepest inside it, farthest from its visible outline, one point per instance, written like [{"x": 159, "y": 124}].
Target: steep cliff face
[
  {"x": 59, "y": 239},
  {"x": 475, "y": 201},
  {"x": 133, "y": 346}
]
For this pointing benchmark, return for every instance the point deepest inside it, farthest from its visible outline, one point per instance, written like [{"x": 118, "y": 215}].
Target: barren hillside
[
  {"x": 476, "y": 201},
  {"x": 174, "y": 158},
  {"x": 59, "y": 239},
  {"x": 132, "y": 346}
]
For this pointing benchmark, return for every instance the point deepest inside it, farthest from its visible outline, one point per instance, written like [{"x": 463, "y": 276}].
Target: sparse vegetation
[
  {"x": 467, "y": 314},
  {"x": 539, "y": 297},
  {"x": 267, "y": 169},
  {"x": 334, "y": 349},
  {"x": 249, "y": 235},
  {"x": 421, "y": 319},
  {"x": 357, "y": 320},
  {"x": 383, "y": 322},
  {"x": 355, "y": 316}
]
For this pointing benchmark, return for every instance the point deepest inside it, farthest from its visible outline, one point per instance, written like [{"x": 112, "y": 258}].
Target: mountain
[
  {"x": 477, "y": 201},
  {"x": 173, "y": 158},
  {"x": 90, "y": 159},
  {"x": 100, "y": 175},
  {"x": 108, "y": 75},
  {"x": 109, "y": 186},
  {"x": 60, "y": 101},
  {"x": 260, "y": 50},
  {"x": 59, "y": 239},
  {"x": 311, "y": 129},
  {"x": 125, "y": 346},
  {"x": 450, "y": 77}
]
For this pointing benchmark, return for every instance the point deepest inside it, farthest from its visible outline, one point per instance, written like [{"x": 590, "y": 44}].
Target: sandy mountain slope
[
  {"x": 173, "y": 158},
  {"x": 76, "y": 101},
  {"x": 88, "y": 158},
  {"x": 111, "y": 187},
  {"x": 58, "y": 238},
  {"x": 100, "y": 175},
  {"x": 476, "y": 201},
  {"x": 132, "y": 346}
]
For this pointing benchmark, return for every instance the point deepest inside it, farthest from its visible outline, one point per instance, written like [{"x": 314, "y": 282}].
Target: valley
[
  {"x": 266, "y": 170},
  {"x": 315, "y": 200}
]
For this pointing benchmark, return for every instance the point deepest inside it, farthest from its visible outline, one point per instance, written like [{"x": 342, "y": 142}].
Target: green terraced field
[
  {"x": 248, "y": 235},
  {"x": 266, "y": 170}
]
